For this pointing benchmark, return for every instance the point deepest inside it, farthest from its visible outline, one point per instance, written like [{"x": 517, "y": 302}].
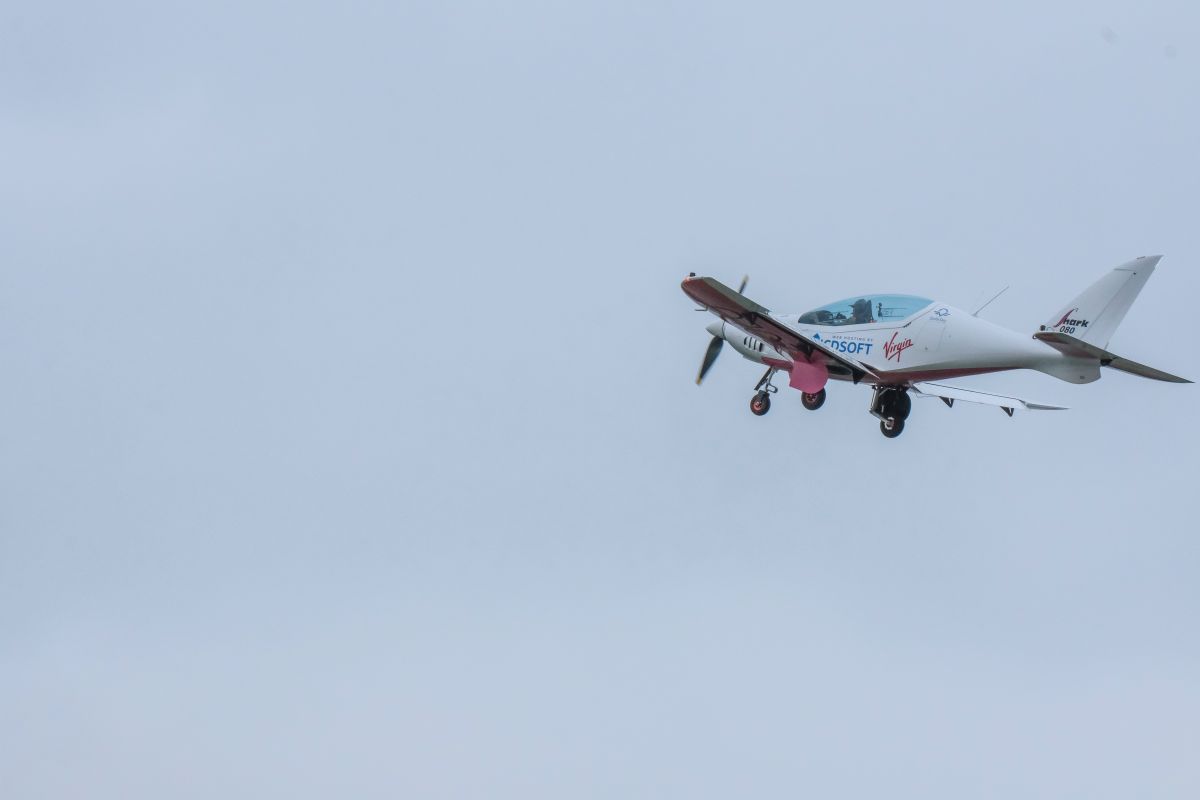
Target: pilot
[{"x": 862, "y": 312}]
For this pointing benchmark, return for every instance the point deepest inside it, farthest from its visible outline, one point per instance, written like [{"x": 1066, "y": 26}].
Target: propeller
[
  {"x": 710, "y": 356},
  {"x": 714, "y": 347}
]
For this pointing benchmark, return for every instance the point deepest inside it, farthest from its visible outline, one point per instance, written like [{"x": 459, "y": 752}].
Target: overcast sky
[{"x": 350, "y": 444}]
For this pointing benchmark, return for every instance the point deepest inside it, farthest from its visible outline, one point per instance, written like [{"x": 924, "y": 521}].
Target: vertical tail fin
[
  {"x": 1094, "y": 315},
  {"x": 1082, "y": 329}
]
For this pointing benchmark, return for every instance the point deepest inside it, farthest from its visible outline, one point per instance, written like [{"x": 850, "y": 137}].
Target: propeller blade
[
  {"x": 710, "y": 355},
  {"x": 745, "y": 280}
]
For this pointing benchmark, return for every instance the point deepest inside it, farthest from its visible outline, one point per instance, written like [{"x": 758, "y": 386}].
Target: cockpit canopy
[{"x": 866, "y": 309}]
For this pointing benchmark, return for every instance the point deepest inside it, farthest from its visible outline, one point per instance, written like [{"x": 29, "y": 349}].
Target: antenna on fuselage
[{"x": 975, "y": 313}]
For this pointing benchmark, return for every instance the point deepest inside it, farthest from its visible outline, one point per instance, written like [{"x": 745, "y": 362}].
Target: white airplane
[{"x": 898, "y": 343}]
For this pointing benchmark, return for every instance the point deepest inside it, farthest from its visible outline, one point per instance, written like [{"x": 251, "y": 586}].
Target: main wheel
[
  {"x": 891, "y": 427},
  {"x": 760, "y": 404},
  {"x": 896, "y": 403},
  {"x": 813, "y": 401}
]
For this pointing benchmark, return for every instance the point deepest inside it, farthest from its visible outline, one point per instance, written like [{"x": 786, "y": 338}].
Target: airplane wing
[
  {"x": 948, "y": 394},
  {"x": 748, "y": 315}
]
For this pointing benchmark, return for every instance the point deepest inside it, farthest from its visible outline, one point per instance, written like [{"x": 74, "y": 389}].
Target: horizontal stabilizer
[
  {"x": 949, "y": 394},
  {"x": 1071, "y": 346}
]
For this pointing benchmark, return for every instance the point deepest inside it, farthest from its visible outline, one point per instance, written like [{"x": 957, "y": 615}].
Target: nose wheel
[
  {"x": 813, "y": 401},
  {"x": 761, "y": 402}
]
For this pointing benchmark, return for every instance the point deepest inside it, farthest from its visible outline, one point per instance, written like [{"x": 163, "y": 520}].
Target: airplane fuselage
[
  {"x": 940, "y": 342},
  {"x": 902, "y": 345}
]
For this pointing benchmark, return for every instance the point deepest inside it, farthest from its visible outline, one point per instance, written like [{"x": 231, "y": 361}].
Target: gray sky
[{"x": 350, "y": 444}]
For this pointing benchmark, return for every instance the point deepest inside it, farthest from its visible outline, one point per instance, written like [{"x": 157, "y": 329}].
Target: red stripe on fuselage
[{"x": 917, "y": 375}]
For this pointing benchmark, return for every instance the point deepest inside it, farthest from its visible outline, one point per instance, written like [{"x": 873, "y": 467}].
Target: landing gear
[
  {"x": 761, "y": 402},
  {"x": 891, "y": 405},
  {"x": 813, "y": 401}
]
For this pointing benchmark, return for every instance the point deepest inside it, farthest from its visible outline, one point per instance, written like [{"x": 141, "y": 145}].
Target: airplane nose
[{"x": 715, "y": 329}]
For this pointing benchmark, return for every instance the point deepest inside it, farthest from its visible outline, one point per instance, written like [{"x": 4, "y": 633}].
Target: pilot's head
[{"x": 862, "y": 310}]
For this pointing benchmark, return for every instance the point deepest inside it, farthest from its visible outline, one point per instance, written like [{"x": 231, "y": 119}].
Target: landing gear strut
[
  {"x": 891, "y": 405},
  {"x": 813, "y": 401},
  {"x": 761, "y": 402}
]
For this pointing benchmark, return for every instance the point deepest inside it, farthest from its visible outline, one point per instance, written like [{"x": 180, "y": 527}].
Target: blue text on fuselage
[{"x": 843, "y": 346}]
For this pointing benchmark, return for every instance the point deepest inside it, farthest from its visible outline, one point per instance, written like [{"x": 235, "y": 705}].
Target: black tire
[
  {"x": 760, "y": 404},
  {"x": 813, "y": 401},
  {"x": 895, "y": 403},
  {"x": 896, "y": 429}
]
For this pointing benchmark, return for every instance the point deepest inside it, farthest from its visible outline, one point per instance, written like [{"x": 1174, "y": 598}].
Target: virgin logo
[{"x": 893, "y": 349}]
